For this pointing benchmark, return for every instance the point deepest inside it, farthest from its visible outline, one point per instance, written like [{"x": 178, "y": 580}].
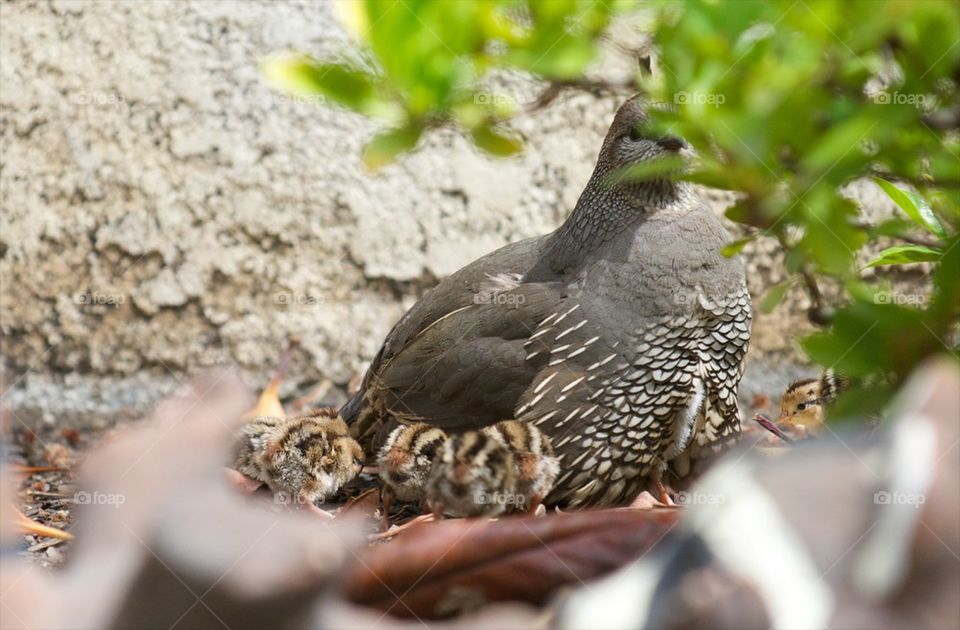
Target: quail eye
[{"x": 635, "y": 134}]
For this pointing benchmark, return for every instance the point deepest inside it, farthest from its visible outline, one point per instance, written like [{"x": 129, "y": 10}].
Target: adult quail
[{"x": 621, "y": 335}]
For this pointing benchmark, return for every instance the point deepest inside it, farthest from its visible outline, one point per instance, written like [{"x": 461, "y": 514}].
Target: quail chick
[
  {"x": 804, "y": 404},
  {"x": 473, "y": 476},
  {"x": 405, "y": 462},
  {"x": 536, "y": 466},
  {"x": 307, "y": 457}
]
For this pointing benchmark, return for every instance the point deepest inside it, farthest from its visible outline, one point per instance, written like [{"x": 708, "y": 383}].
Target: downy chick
[
  {"x": 535, "y": 465},
  {"x": 473, "y": 476},
  {"x": 803, "y": 406},
  {"x": 306, "y": 458},
  {"x": 405, "y": 462}
]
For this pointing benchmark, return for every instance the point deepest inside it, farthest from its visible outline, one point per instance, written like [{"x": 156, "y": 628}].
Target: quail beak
[{"x": 764, "y": 422}]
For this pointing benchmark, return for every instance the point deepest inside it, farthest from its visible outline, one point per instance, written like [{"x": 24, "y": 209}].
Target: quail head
[
  {"x": 473, "y": 476},
  {"x": 306, "y": 458},
  {"x": 535, "y": 464},
  {"x": 405, "y": 461},
  {"x": 804, "y": 404},
  {"x": 621, "y": 335}
]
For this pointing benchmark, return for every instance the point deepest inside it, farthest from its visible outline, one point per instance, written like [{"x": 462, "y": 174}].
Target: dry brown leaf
[
  {"x": 760, "y": 402},
  {"x": 27, "y": 470},
  {"x": 454, "y": 566},
  {"x": 71, "y": 435},
  {"x": 32, "y": 527},
  {"x": 268, "y": 404},
  {"x": 363, "y": 505},
  {"x": 314, "y": 396}
]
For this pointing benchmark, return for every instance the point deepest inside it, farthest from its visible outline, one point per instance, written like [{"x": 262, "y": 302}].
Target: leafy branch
[{"x": 785, "y": 102}]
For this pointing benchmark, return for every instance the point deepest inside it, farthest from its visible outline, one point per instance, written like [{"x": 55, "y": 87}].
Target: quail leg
[
  {"x": 390, "y": 533},
  {"x": 646, "y": 501},
  {"x": 312, "y": 507},
  {"x": 386, "y": 500},
  {"x": 662, "y": 493},
  {"x": 243, "y": 483},
  {"x": 535, "y": 503}
]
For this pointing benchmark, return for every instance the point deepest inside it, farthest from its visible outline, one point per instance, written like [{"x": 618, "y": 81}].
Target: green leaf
[
  {"x": 495, "y": 142},
  {"x": 646, "y": 170},
  {"x": 905, "y": 254},
  {"x": 913, "y": 206},
  {"x": 859, "y": 400},
  {"x": 302, "y": 75},
  {"x": 837, "y": 144},
  {"x": 386, "y": 146},
  {"x": 732, "y": 249},
  {"x": 775, "y": 295}
]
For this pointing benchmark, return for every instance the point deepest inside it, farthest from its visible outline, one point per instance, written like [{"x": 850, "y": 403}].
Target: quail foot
[
  {"x": 473, "y": 476},
  {"x": 405, "y": 461},
  {"x": 301, "y": 459},
  {"x": 621, "y": 335}
]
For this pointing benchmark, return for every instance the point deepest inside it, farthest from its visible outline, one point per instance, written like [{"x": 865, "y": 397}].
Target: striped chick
[
  {"x": 473, "y": 476},
  {"x": 536, "y": 466},
  {"x": 306, "y": 458},
  {"x": 405, "y": 462}
]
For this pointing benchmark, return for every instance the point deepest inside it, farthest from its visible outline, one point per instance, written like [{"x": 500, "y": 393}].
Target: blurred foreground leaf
[{"x": 905, "y": 254}]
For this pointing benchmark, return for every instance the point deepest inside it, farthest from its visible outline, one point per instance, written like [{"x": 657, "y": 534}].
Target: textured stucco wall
[{"x": 164, "y": 210}]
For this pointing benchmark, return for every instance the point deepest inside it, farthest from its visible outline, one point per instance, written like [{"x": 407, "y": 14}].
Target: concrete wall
[{"x": 165, "y": 211}]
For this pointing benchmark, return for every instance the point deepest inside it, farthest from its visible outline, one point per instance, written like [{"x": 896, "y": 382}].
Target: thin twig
[
  {"x": 555, "y": 88},
  {"x": 818, "y": 313},
  {"x": 917, "y": 183},
  {"x": 907, "y": 238}
]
